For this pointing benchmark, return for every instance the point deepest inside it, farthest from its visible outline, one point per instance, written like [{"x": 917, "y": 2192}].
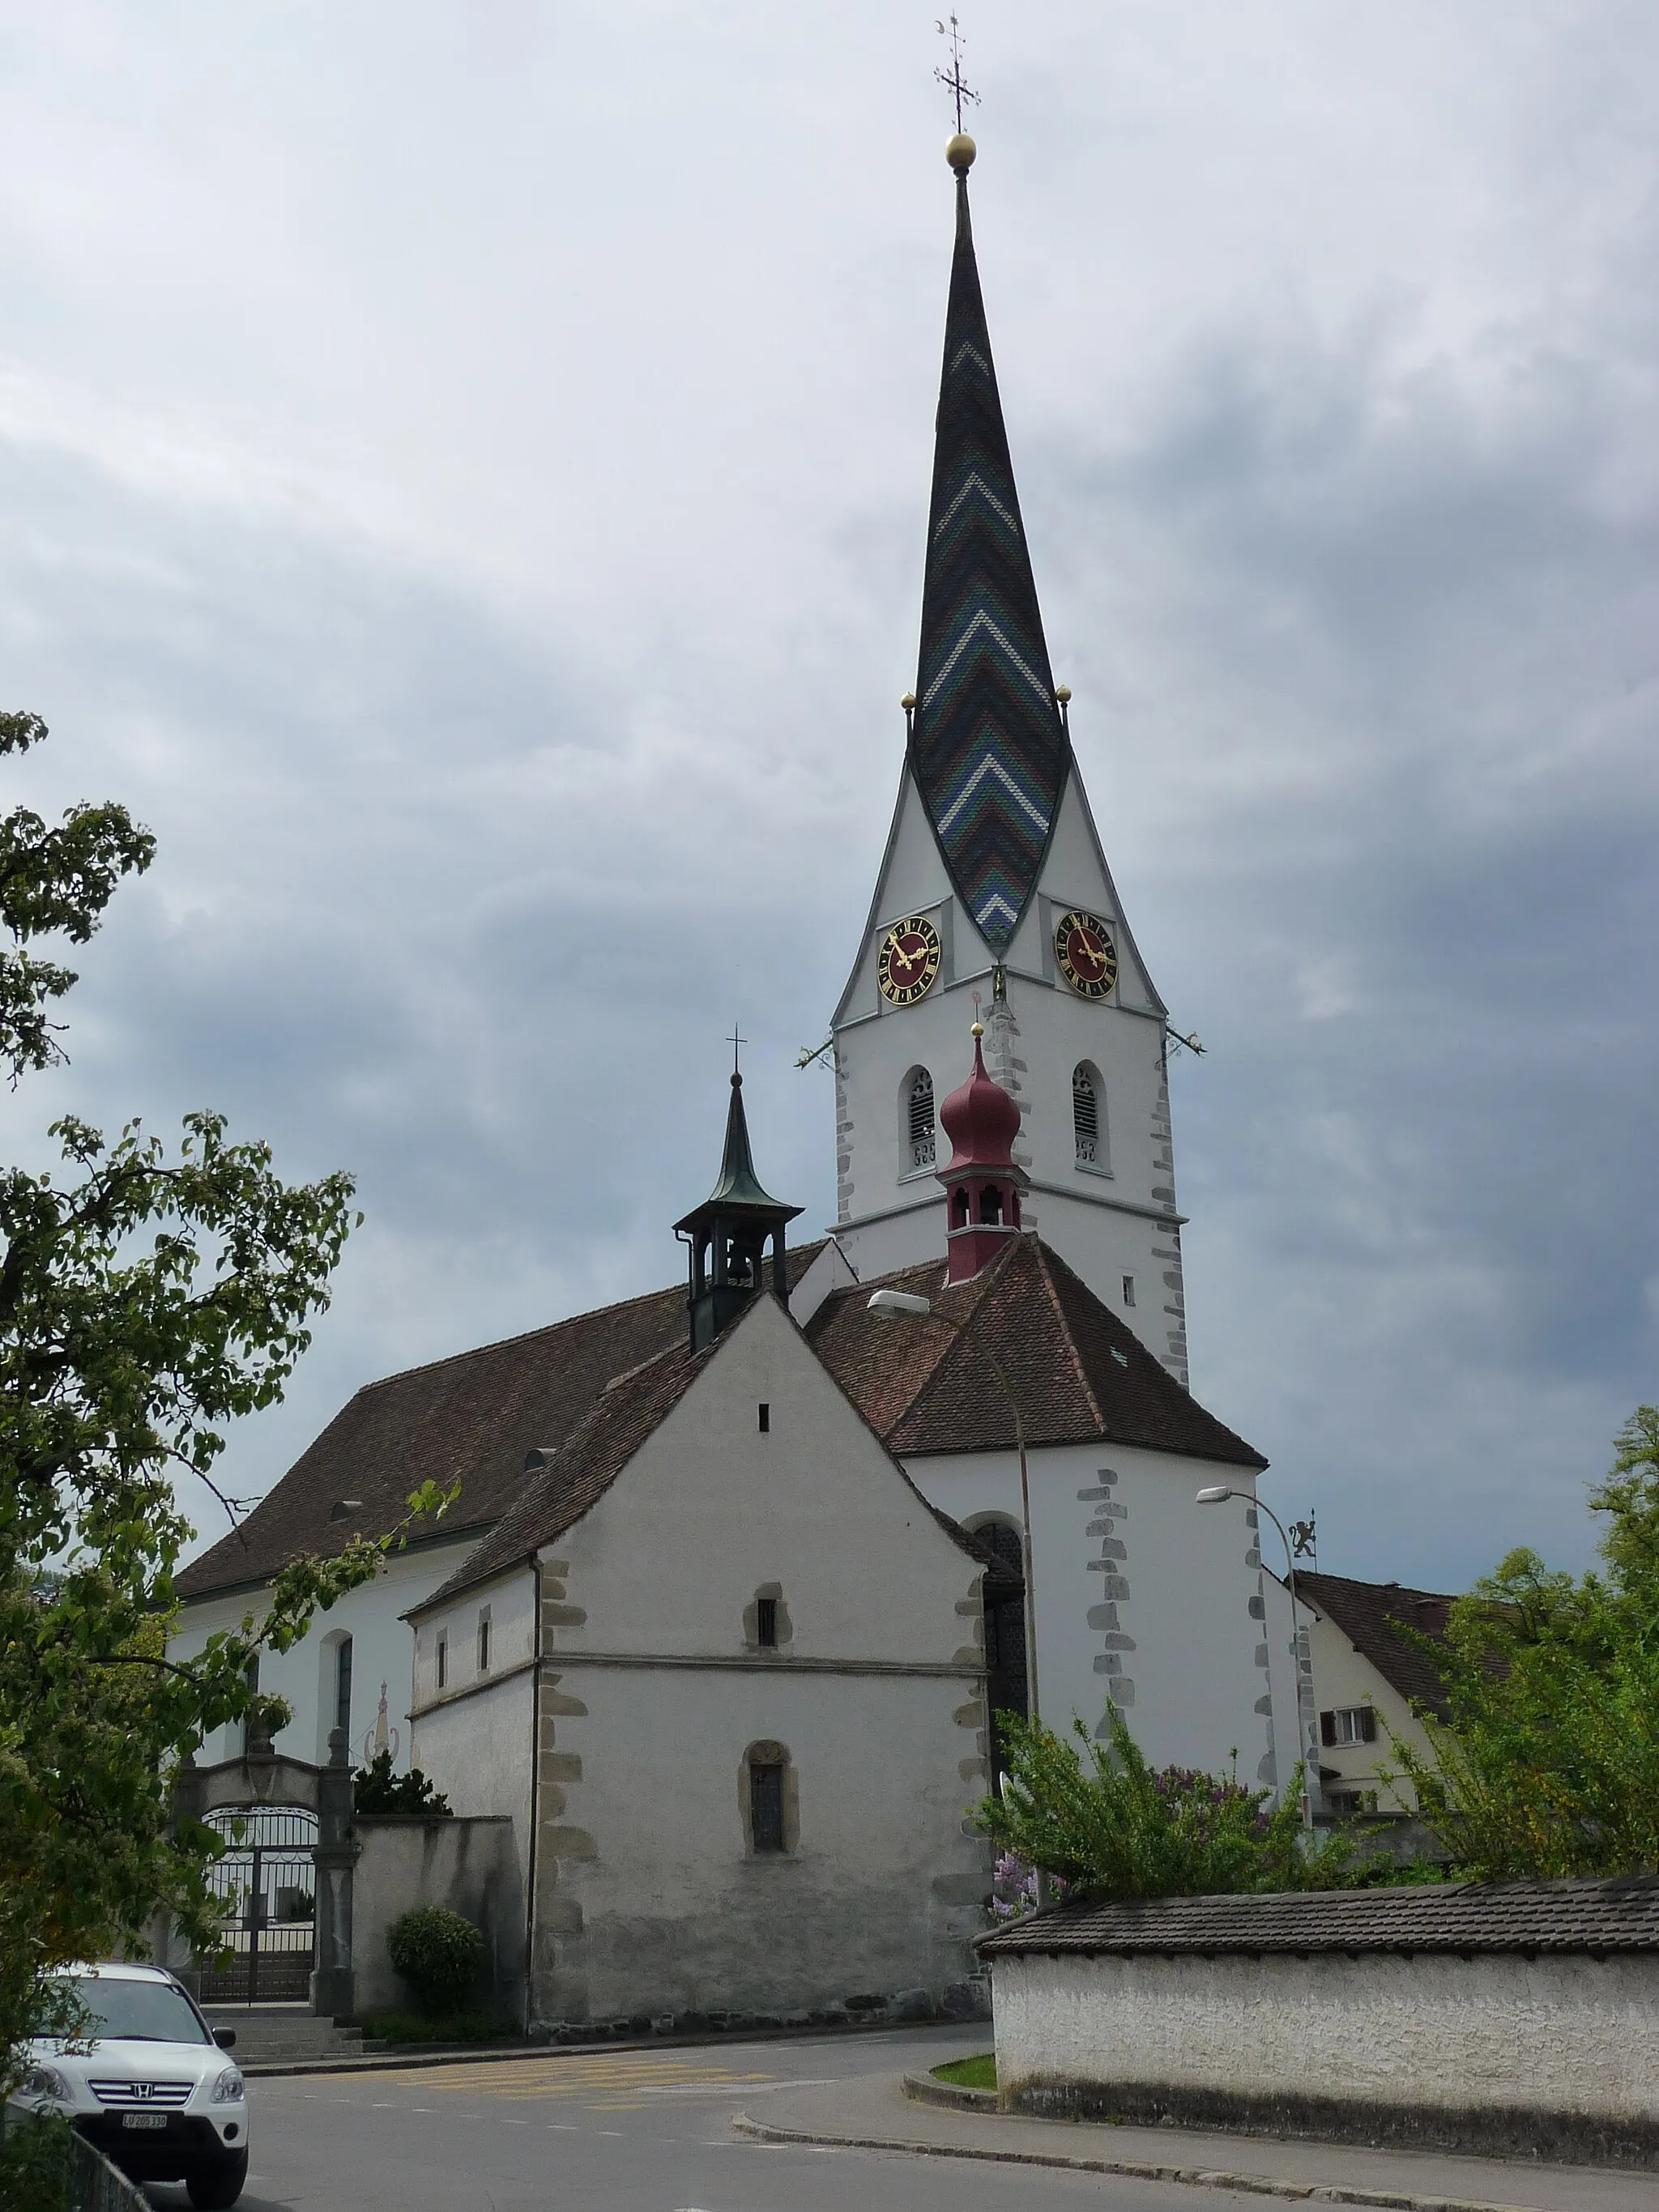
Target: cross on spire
[
  {"x": 734, "y": 1041},
  {"x": 951, "y": 78}
]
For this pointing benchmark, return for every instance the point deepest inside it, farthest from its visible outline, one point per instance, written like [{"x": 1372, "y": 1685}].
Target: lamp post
[
  {"x": 1218, "y": 1494},
  {"x": 902, "y": 1305}
]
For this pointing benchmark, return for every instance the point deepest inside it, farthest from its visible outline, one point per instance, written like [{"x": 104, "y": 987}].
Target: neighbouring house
[{"x": 1367, "y": 1675}]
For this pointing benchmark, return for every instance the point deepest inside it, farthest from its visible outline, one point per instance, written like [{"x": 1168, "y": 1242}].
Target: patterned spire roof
[{"x": 988, "y": 748}]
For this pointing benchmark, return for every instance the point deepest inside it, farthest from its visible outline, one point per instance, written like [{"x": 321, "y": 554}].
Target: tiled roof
[
  {"x": 1371, "y": 1616},
  {"x": 1076, "y": 1372},
  {"x": 1592, "y": 1916},
  {"x": 473, "y": 1419},
  {"x": 627, "y": 1413}
]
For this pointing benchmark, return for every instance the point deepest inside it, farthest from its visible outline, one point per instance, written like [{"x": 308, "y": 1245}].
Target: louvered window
[
  {"x": 1085, "y": 1116},
  {"x": 920, "y": 1119}
]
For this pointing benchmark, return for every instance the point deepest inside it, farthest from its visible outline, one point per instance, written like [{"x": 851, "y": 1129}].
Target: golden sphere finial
[
  {"x": 908, "y": 702},
  {"x": 1064, "y": 694},
  {"x": 978, "y": 1029},
  {"x": 960, "y": 153}
]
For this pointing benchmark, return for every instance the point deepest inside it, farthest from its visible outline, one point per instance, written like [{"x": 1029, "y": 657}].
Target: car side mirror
[{"x": 225, "y": 2037}]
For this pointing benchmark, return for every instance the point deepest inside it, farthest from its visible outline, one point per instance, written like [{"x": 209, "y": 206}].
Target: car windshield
[{"x": 141, "y": 2012}]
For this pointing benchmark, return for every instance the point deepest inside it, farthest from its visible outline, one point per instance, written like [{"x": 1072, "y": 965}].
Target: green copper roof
[{"x": 738, "y": 1190}]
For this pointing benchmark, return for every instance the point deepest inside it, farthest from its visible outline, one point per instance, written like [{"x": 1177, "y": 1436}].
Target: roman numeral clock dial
[
  {"x": 908, "y": 961},
  {"x": 1086, "y": 956}
]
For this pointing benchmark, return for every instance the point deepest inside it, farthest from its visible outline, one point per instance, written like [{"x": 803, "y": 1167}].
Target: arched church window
[
  {"x": 919, "y": 1118},
  {"x": 1003, "y": 1593},
  {"x": 1088, "y": 1115}
]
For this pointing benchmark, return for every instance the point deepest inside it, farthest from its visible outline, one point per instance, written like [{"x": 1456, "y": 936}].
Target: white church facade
[{"x": 740, "y": 1572}]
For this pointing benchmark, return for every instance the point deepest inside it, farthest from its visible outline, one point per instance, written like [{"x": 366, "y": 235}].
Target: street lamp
[
  {"x": 1218, "y": 1494},
  {"x": 904, "y": 1305}
]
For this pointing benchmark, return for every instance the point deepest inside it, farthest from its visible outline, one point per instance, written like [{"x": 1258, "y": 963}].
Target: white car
[{"x": 149, "y": 2083}]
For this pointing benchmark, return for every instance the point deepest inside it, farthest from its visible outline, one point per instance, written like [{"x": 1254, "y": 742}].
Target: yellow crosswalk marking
[{"x": 591, "y": 2075}]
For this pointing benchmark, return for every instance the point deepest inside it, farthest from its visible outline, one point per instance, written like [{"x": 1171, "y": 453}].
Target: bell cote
[{"x": 727, "y": 1236}]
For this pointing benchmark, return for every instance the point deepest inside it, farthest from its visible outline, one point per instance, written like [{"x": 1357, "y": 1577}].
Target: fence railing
[{"x": 95, "y": 2185}]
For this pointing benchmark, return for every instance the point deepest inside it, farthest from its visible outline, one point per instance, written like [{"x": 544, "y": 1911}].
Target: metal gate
[{"x": 267, "y": 1882}]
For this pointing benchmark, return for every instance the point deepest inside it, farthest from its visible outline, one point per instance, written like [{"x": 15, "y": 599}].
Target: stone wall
[
  {"x": 1552, "y": 2055},
  {"x": 470, "y": 1865}
]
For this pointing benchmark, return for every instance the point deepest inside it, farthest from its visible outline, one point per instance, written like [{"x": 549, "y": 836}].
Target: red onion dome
[{"x": 980, "y": 1120}]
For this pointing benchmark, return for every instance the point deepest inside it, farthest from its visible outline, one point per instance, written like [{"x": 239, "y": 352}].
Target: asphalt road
[{"x": 626, "y": 2131}]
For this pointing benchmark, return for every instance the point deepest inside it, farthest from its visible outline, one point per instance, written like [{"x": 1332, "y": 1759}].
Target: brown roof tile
[
  {"x": 472, "y": 1418},
  {"x": 1373, "y": 1617},
  {"x": 1591, "y": 1917},
  {"x": 1077, "y": 1373}
]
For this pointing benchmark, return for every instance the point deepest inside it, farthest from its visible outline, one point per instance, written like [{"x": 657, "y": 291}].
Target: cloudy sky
[{"x": 464, "y": 470}]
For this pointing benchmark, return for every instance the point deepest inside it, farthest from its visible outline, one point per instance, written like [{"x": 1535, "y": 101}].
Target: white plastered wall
[
  {"x": 649, "y": 1898},
  {"x": 1140, "y": 1594},
  {"x": 382, "y": 1650}
]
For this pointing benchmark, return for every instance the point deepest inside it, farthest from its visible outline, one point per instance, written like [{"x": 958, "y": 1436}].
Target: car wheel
[{"x": 215, "y": 2188}]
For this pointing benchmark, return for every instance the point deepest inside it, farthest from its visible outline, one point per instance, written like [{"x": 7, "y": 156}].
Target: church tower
[
  {"x": 994, "y": 885},
  {"x": 727, "y": 1236}
]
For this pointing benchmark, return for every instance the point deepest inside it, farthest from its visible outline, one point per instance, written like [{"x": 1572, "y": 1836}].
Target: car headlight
[
  {"x": 47, "y": 2082},
  {"x": 229, "y": 2088}
]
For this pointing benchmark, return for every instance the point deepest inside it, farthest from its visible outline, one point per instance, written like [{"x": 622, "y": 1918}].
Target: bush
[
  {"x": 35, "y": 2161},
  {"x": 376, "y": 1788},
  {"x": 438, "y": 1954},
  {"x": 1126, "y": 1831},
  {"x": 437, "y": 2028}
]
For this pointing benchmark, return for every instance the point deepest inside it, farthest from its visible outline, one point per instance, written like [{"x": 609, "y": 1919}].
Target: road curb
[
  {"x": 928, "y": 2089},
  {"x": 1198, "y": 2177}
]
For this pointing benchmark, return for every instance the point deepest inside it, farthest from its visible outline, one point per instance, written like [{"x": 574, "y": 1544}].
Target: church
[{"x": 741, "y": 1572}]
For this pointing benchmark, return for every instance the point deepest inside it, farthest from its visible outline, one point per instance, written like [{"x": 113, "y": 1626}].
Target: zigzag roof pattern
[{"x": 989, "y": 749}]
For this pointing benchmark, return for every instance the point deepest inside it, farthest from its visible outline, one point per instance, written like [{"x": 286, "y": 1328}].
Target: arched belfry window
[
  {"x": 1088, "y": 1116},
  {"x": 919, "y": 1119}
]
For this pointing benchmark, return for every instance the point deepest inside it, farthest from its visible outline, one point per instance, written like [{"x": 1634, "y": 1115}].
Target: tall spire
[{"x": 988, "y": 747}]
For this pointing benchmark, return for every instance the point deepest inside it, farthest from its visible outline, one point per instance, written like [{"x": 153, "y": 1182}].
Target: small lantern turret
[
  {"x": 982, "y": 1182},
  {"x": 728, "y": 1234}
]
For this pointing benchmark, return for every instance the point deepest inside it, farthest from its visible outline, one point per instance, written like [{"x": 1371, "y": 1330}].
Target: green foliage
[
  {"x": 438, "y": 1954},
  {"x": 376, "y": 1788},
  {"x": 1546, "y": 1762},
  {"x": 1115, "y": 1828},
  {"x": 36, "y": 2162},
  {"x": 147, "y": 1299}
]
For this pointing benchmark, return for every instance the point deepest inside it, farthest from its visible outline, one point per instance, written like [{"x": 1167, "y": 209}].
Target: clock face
[
  {"x": 1086, "y": 954},
  {"x": 909, "y": 960}
]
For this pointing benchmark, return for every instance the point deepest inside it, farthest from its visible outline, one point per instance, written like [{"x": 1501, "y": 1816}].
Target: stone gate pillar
[{"x": 331, "y": 1979}]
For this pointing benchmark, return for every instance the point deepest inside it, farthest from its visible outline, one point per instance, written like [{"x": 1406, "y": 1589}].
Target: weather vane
[
  {"x": 734, "y": 1041},
  {"x": 951, "y": 78}
]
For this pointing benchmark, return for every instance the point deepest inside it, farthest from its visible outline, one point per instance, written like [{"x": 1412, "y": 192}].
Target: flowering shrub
[
  {"x": 1116, "y": 1828},
  {"x": 1014, "y": 1887}
]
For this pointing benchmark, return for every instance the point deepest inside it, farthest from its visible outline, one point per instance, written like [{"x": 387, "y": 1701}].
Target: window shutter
[
  {"x": 1367, "y": 1724},
  {"x": 1328, "y": 1728}
]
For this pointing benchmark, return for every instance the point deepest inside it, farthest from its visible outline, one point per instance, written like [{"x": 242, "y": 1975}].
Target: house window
[
  {"x": 765, "y": 1412},
  {"x": 1345, "y": 1803},
  {"x": 766, "y": 1623},
  {"x": 483, "y": 1641},
  {"x": 766, "y": 1804},
  {"x": 1348, "y": 1724},
  {"x": 443, "y": 1660},
  {"x": 1087, "y": 1117},
  {"x": 919, "y": 1119},
  {"x": 343, "y": 1685},
  {"x": 1128, "y": 1289}
]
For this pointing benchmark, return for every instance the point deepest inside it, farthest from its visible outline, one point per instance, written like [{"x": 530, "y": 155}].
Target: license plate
[{"x": 143, "y": 2120}]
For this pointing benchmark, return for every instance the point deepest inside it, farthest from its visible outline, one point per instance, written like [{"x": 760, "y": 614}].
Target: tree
[
  {"x": 1545, "y": 1759},
  {"x": 1117, "y": 1828},
  {"x": 147, "y": 1299}
]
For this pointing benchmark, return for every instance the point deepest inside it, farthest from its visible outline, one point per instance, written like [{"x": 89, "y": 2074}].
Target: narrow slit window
[
  {"x": 766, "y": 1804},
  {"x": 1128, "y": 1289},
  {"x": 342, "y": 1686},
  {"x": 765, "y": 1412},
  {"x": 920, "y": 1117},
  {"x": 443, "y": 1662},
  {"x": 766, "y": 1623},
  {"x": 484, "y": 1642},
  {"x": 1086, "y": 1116}
]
